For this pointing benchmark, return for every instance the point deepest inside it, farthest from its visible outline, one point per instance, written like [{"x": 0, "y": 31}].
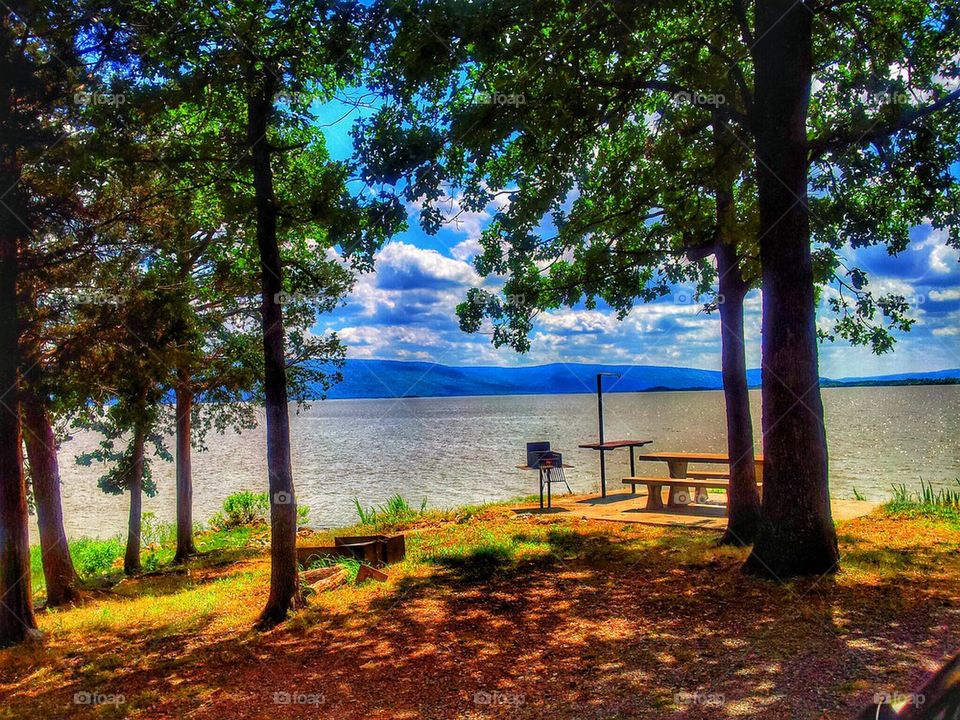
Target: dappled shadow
[{"x": 608, "y": 622}]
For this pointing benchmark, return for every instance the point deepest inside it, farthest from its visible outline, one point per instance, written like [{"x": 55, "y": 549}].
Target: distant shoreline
[{"x": 828, "y": 384}]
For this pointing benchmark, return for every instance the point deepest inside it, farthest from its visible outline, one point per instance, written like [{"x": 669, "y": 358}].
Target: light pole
[{"x": 603, "y": 466}]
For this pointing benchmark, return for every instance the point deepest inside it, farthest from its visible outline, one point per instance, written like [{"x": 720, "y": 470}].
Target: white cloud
[
  {"x": 942, "y": 259},
  {"x": 944, "y": 295},
  {"x": 466, "y": 249}
]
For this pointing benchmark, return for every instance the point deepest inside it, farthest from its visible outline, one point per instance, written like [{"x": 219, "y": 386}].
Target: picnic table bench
[{"x": 681, "y": 477}]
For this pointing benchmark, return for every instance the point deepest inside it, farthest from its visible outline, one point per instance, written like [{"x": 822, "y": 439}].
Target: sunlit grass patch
[{"x": 928, "y": 503}]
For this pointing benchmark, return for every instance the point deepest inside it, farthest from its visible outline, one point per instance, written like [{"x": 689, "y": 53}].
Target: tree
[
  {"x": 125, "y": 394},
  {"x": 797, "y": 534},
  {"x": 255, "y": 68}
]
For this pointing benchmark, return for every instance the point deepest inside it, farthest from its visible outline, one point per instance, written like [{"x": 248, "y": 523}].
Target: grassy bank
[{"x": 496, "y": 613}]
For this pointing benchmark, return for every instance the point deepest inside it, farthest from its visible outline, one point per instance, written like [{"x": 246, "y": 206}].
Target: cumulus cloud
[{"x": 401, "y": 266}]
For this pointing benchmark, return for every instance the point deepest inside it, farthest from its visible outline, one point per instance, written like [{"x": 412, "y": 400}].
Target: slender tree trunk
[
  {"x": 743, "y": 500},
  {"x": 131, "y": 559},
  {"x": 284, "y": 581},
  {"x": 16, "y": 609},
  {"x": 185, "y": 545},
  {"x": 61, "y": 578},
  {"x": 796, "y": 535}
]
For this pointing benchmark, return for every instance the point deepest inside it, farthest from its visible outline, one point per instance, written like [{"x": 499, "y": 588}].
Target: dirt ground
[{"x": 506, "y": 615}]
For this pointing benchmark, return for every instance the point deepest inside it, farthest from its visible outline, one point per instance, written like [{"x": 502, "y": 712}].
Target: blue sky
[{"x": 405, "y": 309}]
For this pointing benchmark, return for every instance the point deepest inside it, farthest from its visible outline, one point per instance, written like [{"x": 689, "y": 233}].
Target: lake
[{"x": 452, "y": 451}]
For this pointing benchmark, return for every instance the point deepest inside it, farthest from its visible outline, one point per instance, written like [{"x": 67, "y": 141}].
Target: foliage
[
  {"x": 247, "y": 509},
  {"x": 589, "y": 132}
]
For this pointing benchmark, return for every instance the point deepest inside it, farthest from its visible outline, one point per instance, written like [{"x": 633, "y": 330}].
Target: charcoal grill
[{"x": 549, "y": 466}]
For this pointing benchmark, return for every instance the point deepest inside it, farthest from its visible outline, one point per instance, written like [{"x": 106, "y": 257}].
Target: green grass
[
  {"x": 396, "y": 511},
  {"x": 942, "y": 505}
]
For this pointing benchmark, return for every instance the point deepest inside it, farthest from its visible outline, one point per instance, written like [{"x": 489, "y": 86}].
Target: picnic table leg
[
  {"x": 654, "y": 499},
  {"x": 633, "y": 469},
  {"x": 603, "y": 474},
  {"x": 549, "y": 498},
  {"x": 540, "y": 475},
  {"x": 678, "y": 469}
]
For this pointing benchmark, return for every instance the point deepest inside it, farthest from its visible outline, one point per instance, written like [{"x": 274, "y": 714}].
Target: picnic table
[
  {"x": 681, "y": 477},
  {"x": 603, "y": 447}
]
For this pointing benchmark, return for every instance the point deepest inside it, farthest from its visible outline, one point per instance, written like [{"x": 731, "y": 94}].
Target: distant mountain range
[{"x": 395, "y": 378}]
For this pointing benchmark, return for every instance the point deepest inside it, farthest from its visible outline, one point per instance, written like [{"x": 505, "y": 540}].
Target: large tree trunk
[
  {"x": 743, "y": 500},
  {"x": 185, "y": 545},
  {"x": 16, "y": 609},
  {"x": 796, "y": 535},
  {"x": 61, "y": 578},
  {"x": 131, "y": 559},
  {"x": 284, "y": 581}
]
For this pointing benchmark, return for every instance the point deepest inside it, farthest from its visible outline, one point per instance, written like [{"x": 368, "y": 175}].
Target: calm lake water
[{"x": 453, "y": 451}]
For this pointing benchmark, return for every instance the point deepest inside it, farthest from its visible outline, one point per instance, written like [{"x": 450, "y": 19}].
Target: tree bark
[
  {"x": 743, "y": 500},
  {"x": 17, "y": 622},
  {"x": 61, "y": 577},
  {"x": 131, "y": 559},
  {"x": 796, "y": 535},
  {"x": 185, "y": 544},
  {"x": 284, "y": 581}
]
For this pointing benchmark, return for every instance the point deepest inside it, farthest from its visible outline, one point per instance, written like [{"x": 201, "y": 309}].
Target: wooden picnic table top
[
  {"x": 614, "y": 444},
  {"x": 690, "y": 457}
]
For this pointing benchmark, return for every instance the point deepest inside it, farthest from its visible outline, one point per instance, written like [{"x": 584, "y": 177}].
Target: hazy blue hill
[
  {"x": 949, "y": 374},
  {"x": 394, "y": 378}
]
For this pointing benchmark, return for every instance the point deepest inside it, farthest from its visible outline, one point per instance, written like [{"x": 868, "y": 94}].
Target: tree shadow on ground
[{"x": 566, "y": 622}]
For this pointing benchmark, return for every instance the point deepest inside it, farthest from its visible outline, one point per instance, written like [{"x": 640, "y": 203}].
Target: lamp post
[{"x": 603, "y": 466}]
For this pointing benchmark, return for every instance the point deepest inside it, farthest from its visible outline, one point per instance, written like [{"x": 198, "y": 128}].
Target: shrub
[
  {"x": 95, "y": 557},
  {"x": 246, "y": 508}
]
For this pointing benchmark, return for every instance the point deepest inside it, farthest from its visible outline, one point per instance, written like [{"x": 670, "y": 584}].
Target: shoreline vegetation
[
  {"x": 99, "y": 561},
  {"x": 512, "y": 601}
]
